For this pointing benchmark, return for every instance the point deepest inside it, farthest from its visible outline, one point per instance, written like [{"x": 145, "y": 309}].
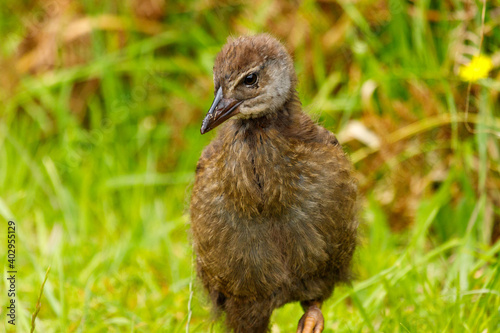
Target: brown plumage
[{"x": 273, "y": 208}]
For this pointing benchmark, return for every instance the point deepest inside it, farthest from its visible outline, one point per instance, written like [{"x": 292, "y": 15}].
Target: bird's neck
[{"x": 257, "y": 153}]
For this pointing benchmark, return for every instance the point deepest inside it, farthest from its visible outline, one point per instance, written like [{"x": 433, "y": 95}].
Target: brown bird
[{"x": 273, "y": 208}]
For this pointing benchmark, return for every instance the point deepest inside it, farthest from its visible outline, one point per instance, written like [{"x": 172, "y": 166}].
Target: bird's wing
[
  {"x": 306, "y": 130},
  {"x": 326, "y": 137}
]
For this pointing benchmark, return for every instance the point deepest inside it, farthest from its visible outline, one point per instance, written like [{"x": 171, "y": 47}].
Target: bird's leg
[
  {"x": 248, "y": 316},
  {"x": 312, "y": 321}
]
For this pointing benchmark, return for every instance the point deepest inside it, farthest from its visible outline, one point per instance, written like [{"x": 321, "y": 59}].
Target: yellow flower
[{"x": 478, "y": 68}]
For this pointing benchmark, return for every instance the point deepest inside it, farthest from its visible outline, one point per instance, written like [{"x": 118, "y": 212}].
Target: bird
[{"x": 274, "y": 202}]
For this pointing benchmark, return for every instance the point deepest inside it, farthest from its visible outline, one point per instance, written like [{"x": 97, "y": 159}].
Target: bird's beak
[{"x": 221, "y": 110}]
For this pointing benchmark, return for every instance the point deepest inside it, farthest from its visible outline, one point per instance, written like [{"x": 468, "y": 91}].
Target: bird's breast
[{"x": 261, "y": 177}]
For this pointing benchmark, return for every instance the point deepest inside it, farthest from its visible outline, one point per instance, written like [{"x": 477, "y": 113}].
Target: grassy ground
[{"x": 99, "y": 137}]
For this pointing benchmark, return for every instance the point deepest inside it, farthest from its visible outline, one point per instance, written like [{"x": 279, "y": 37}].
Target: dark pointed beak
[{"x": 221, "y": 110}]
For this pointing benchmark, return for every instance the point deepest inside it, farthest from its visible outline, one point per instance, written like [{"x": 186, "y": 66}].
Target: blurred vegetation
[{"x": 101, "y": 104}]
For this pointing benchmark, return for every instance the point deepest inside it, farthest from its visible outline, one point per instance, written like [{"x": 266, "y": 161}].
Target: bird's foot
[{"x": 312, "y": 321}]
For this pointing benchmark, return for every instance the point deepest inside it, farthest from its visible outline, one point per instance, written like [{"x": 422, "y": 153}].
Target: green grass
[{"x": 97, "y": 160}]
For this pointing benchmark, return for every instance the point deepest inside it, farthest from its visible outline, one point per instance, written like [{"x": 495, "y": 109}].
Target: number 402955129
[{"x": 11, "y": 244}]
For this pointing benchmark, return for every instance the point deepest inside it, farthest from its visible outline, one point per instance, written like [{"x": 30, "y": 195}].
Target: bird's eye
[{"x": 250, "y": 79}]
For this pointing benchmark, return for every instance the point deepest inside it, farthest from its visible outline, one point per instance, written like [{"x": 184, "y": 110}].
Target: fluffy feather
[{"x": 273, "y": 208}]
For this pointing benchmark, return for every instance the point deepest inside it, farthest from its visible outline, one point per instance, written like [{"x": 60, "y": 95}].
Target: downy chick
[{"x": 273, "y": 207}]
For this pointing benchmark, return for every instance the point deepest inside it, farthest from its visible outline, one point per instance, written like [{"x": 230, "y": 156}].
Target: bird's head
[{"x": 253, "y": 76}]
